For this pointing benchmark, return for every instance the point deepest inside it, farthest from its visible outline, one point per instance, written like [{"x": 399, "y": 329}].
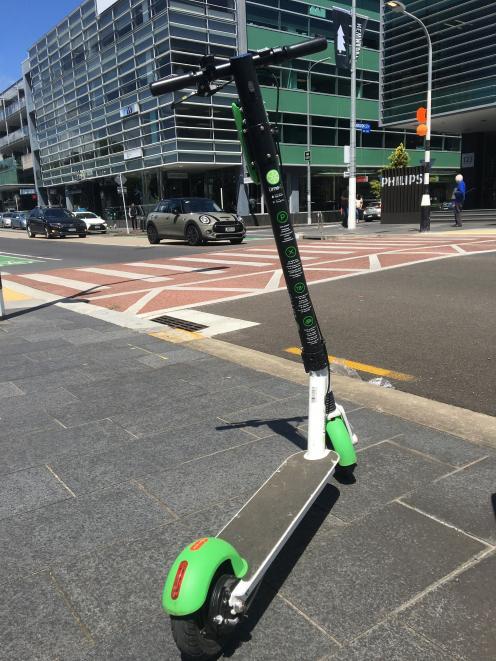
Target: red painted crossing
[{"x": 160, "y": 285}]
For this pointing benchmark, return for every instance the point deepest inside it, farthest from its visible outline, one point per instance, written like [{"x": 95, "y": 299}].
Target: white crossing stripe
[
  {"x": 374, "y": 263},
  {"x": 243, "y": 254},
  {"x": 63, "y": 282},
  {"x": 124, "y": 274},
  {"x": 274, "y": 280},
  {"x": 175, "y": 267},
  {"x": 207, "y": 260}
]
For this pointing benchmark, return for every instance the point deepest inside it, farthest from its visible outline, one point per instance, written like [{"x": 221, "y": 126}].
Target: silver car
[{"x": 197, "y": 220}]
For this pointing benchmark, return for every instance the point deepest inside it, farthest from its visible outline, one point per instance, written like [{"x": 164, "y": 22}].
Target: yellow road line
[
  {"x": 11, "y": 295},
  {"x": 361, "y": 367}
]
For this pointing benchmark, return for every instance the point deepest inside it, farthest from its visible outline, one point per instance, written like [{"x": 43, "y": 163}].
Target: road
[
  {"x": 434, "y": 321},
  {"x": 427, "y": 326}
]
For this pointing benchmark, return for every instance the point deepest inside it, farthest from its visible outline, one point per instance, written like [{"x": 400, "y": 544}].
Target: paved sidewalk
[{"x": 118, "y": 448}]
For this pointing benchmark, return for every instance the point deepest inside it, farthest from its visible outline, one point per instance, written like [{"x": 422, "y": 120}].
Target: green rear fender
[
  {"x": 189, "y": 578},
  {"x": 341, "y": 442}
]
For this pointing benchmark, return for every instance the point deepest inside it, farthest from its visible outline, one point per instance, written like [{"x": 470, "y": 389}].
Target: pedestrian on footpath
[
  {"x": 344, "y": 207},
  {"x": 458, "y": 199},
  {"x": 133, "y": 214},
  {"x": 359, "y": 208}
]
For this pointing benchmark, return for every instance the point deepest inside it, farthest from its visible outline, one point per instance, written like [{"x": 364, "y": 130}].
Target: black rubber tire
[
  {"x": 82, "y": 236},
  {"x": 30, "y": 232},
  {"x": 193, "y": 235},
  {"x": 47, "y": 234},
  {"x": 152, "y": 233},
  {"x": 195, "y": 635},
  {"x": 235, "y": 242}
]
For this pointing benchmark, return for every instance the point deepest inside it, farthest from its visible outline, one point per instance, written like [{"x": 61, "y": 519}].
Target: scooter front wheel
[{"x": 202, "y": 635}]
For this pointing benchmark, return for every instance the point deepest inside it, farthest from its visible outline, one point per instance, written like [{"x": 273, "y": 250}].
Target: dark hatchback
[{"x": 53, "y": 221}]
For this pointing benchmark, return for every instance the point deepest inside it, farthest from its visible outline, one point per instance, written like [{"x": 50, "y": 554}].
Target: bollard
[{"x": 2, "y": 304}]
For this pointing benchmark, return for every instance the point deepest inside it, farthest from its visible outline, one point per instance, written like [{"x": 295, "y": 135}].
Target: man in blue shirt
[{"x": 459, "y": 199}]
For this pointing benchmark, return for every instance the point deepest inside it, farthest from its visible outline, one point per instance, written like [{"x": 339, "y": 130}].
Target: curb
[{"x": 477, "y": 428}]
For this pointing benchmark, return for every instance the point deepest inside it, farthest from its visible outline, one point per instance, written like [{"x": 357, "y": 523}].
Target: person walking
[
  {"x": 458, "y": 199},
  {"x": 344, "y": 207},
  {"x": 133, "y": 215},
  {"x": 359, "y": 208}
]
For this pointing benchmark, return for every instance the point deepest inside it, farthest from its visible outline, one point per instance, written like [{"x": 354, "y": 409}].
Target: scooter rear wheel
[{"x": 199, "y": 636}]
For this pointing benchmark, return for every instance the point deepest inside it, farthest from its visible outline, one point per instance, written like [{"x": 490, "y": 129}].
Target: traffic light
[{"x": 422, "y": 119}]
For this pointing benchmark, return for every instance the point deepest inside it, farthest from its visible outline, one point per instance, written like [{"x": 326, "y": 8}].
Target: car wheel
[
  {"x": 236, "y": 242},
  {"x": 152, "y": 234},
  {"x": 82, "y": 236},
  {"x": 193, "y": 235},
  {"x": 30, "y": 232},
  {"x": 47, "y": 233}
]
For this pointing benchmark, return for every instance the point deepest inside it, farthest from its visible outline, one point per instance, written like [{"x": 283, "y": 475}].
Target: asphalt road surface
[
  {"x": 76, "y": 252},
  {"x": 434, "y": 321}
]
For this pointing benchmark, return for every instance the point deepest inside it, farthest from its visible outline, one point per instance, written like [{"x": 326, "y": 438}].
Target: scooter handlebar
[{"x": 264, "y": 57}]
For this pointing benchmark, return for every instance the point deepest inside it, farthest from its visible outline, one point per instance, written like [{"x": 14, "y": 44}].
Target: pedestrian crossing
[{"x": 153, "y": 287}]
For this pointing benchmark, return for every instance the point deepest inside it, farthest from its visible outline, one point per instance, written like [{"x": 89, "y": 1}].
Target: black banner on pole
[
  {"x": 401, "y": 194},
  {"x": 341, "y": 24}
]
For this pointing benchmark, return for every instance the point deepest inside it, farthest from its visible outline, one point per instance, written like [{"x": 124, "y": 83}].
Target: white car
[{"x": 93, "y": 222}]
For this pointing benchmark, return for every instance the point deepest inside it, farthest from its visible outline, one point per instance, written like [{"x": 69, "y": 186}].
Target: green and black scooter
[{"x": 213, "y": 580}]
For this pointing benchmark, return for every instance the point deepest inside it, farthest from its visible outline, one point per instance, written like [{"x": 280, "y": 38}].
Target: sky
[{"x": 24, "y": 22}]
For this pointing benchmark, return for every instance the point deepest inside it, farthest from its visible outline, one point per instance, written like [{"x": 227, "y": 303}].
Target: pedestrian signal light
[
  {"x": 422, "y": 130},
  {"x": 421, "y": 115}
]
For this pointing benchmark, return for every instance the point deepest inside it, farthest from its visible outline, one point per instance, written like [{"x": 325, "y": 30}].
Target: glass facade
[
  {"x": 463, "y": 38},
  {"x": 95, "y": 117}
]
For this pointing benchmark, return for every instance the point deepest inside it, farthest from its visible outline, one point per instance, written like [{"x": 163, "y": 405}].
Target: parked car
[
  {"x": 54, "y": 221},
  {"x": 93, "y": 222},
  {"x": 19, "y": 220},
  {"x": 372, "y": 211},
  {"x": 447, "y": 206},
  {"x": 7, "y": 219},
  {"x": 195, "y": 219}
]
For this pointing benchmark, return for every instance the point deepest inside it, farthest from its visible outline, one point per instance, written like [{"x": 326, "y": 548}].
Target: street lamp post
[
  {"x": 309, "y": 170},
  {"x": 425, "y": 205}
]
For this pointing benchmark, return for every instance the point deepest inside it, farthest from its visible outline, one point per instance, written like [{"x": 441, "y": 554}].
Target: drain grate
[{"x": 173, "y": 322}]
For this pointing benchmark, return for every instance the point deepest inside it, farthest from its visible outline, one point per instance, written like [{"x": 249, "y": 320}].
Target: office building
[
  {"x": 16, "y": 161},
  {"x": 463, "y": 38},
  {"x": 95, "y": 118}
]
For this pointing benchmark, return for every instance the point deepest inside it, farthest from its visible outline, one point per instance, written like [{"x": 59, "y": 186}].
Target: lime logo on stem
[
  {"x": 282, "y": 216},
  {"x": 308, "y": 321},
  {"x": 290, "y": 252},
  {"x": 299, "y": 287},
  {"x": 273, "y": 177}
]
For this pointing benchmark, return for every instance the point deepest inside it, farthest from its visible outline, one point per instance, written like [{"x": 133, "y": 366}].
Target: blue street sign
[{"x": 363, "y": 127}]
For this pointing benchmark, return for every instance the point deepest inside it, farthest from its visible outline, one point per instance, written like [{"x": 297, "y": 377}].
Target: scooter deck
[{"x": 261, "y": 527}]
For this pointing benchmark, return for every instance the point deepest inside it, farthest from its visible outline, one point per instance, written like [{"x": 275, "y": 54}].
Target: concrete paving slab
[
  {"x": 12, "y": 423},
  {"x": 36, "y": 623},
  {"x": 459, "y": 615},
  {"x": 155, "y": 420},
  {"x": 465, "y": 499},
  {"x": 137, "y": 458},
  {"x": 29, "y": 489},
  {"x": 57, "y": 378},
  {"x": 384, "y": 472},
  {"x": 277, "y": 417},
  {"x": 241, "y": 470},
  {"x": 439, "y": 445},
  {"x": 371, "y": 427},
  {"x": 120, "y": 585},
  {"x": 30, "y": 542},
  {"x": 9, "y": 389},
  {"x": 351, "y": 581},
  {"x": 392, "y": 642},
  {"x": 45, "y": 446}
]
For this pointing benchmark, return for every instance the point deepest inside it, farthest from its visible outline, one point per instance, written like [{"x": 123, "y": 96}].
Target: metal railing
[{"x": 15, "y": 136}]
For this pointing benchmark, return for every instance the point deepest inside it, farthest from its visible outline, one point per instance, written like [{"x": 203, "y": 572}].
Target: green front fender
[
  {"x": 203, "y": 559},
  {"x": 341, "y": 441}
]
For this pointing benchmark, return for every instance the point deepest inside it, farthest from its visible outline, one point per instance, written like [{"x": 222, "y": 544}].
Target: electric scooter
[{"x": 213, "y": 580}]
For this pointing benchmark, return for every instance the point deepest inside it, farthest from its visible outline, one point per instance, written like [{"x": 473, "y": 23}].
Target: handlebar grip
[
  {"x": 306, "y": 48},
  {"x": 175, "y": 83}
]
